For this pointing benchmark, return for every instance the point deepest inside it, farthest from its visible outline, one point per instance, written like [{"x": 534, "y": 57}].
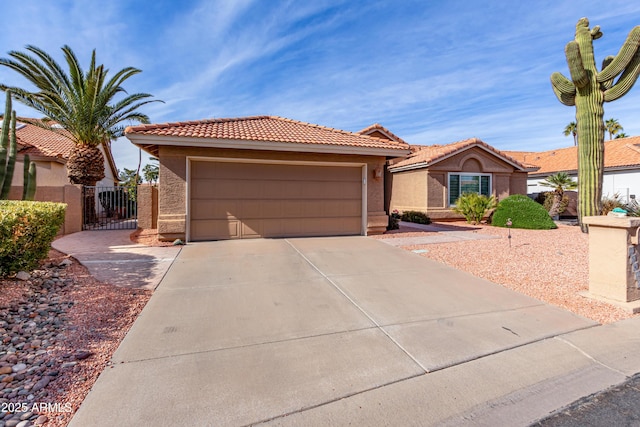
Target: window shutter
[
  {"x": 454, "y": 188},
  {"x": 485, "y": 185}
]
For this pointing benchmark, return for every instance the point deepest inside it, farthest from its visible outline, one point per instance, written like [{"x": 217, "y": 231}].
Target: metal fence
[{"x": 109, "y": 208}]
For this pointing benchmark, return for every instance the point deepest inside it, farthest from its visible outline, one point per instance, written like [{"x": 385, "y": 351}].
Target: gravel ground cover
[
  {"x": 549, "y": 265},
  {"x": 58, "y": 328}
]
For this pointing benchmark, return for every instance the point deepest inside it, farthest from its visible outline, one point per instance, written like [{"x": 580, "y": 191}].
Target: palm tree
[
  {"x": 621, "y": 135},
  {"x": 613, "y": 127},
  {"x": 572, "y": 129},
  {"x": 559, "y": 182},
  {"x": 82, "y": 104}
]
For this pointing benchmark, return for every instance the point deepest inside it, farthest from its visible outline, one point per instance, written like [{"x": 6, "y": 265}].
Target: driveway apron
[{"x": 309, "y": 330}]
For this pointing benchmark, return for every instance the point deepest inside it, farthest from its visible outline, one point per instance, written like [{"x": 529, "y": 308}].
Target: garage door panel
[
  {"x": 211, "y": 209},
  {"x": 244, "y": 200},
  {"x": 215, "y": 229}
]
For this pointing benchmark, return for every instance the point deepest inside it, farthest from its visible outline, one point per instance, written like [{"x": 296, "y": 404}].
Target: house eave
[{"x": 149, "y": 142}]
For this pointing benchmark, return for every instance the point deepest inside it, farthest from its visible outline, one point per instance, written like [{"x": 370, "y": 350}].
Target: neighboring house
[
  {"x": 49, "y": 151},
  {"x": 267, "y": 176},
  {"x": 432, "y": 177},
  {"x": 621, "y": 166}
]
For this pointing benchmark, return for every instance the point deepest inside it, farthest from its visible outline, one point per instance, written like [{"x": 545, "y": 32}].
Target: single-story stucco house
[
  {"x": 266, "y": 176},
  {"x": 621, "y": 166},
  {"x": 432, "y": 177},
  {"x": 49, "y": 151}
]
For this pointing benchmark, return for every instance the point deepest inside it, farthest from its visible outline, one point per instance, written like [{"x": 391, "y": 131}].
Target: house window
[{"x": 468, "y": 183}]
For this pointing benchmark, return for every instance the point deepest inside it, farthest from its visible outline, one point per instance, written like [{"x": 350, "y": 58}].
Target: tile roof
[
  {"x": 426, "y": 155},
  {"x": 38, "y": 141},
  {"x": 378, "y": 129},
  {"x": 618, "y": 153},
  {"x": 263, "y": 128}
]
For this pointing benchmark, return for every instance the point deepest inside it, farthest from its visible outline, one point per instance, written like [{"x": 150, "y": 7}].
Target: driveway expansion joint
[
  {"x": 588, "y": 356},
  {"x": 362, "y": 310}
]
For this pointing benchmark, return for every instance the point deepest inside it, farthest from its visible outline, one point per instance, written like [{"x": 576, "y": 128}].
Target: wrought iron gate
[{"x": 109, "y": 208}]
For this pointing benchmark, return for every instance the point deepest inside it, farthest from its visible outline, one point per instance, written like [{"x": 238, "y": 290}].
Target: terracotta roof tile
[
  {"x": 43, "y": 142},
  {"x": 263, "y": 128},
  {"x": 618, "y": 153},
  {"x": 377, "y": 128},
  {"x": 426, "y": 155}
]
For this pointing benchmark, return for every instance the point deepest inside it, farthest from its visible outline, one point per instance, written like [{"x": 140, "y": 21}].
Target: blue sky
[{"x": 432, "y": 72}]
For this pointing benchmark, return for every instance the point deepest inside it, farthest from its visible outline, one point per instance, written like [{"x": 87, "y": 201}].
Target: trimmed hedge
[
  {"x": 26, "y": 232},
  {"x": 524, "y": 213},
  {"x": 416, "y": 217}
]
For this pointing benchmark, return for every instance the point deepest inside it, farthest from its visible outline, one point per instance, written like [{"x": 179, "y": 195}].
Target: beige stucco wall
[
  {"x": 69, "y": 194},
  {"x": 172, "y": 191},
  {"x": 409, "y": 190},
  {"x": 51, "y": 174},
  {"x": 426, "y": 189}
]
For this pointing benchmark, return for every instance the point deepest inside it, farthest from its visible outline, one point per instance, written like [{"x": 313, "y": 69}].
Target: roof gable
[
  {"x": 376, "y": 130},
  {"x": 258, "y": 132},
  {"x": 424, "y": 156}
]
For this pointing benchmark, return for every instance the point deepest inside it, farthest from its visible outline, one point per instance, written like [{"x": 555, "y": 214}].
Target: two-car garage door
[{"x": 232, "y": 200}]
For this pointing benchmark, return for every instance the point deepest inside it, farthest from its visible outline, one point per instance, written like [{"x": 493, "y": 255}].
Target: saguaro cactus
[
  {"x": 8, "y": 152},
  {"x": 588, "y": 90}
]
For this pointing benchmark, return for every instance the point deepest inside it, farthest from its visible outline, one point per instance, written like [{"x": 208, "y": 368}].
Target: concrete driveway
[{"x": 333, "y": 331}]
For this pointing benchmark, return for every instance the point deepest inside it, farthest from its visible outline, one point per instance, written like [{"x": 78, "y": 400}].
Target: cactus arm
[
  {"x": 564, "y": 89},
  {"x": 576, "y": 67},
  {"x": 624, "y": 56},
  {"x": 626, "y": 80},
  {"x": 11, "y": 159},
  {"x": 607, "y": 83},
  {"x": 4, "y": 140},
  {"x": 29, "y": 184}
]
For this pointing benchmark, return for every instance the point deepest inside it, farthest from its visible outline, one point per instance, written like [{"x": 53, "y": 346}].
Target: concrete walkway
[
  {"x": 440, "y": 233},
  {"x": 338, "y": 331},
  {"x": 112, "y": 257}
]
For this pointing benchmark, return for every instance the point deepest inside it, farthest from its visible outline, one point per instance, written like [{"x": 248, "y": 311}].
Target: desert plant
[
  {"x": 26, "y": 231},
  {"x": 8, "y": 152},
  {"x": 588, "y": 90},
  {"x": 474, "y": 206},
  {"x": 416, "y": 217},
  {"x": 632, "y": 208},
  {"x": 547, "y": 198},
  {"x": 523, "y": 212},
  {"x": 609, "y": 203},
  {"x": 559, "y": 182}
]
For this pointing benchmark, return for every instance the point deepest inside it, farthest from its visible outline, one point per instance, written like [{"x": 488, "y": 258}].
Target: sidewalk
[
  {"x": 441, "y": 233},
  {"x": 112, "y": 257}
]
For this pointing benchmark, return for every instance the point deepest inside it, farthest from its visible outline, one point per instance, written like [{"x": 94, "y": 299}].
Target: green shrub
[
  {"x": 26, "y": 232},
  {"x": 394, "y": 220},
  {"x": 524, "y": 213},
  {"x": 474, "y": 206},
  {"x": 415, "y": 216}
]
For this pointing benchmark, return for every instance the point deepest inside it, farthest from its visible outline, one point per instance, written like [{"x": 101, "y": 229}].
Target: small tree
[
  {"x": 613, "y": 127},
  {"x": 560, "y": 182},
  {"x": 474, "y": 206},
  {"x": 572, "y": 129},
  {"x": 150, "y": 171}
]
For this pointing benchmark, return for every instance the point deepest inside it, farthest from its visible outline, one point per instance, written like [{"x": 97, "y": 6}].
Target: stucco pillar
[{"x": 613, "y": 258}]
